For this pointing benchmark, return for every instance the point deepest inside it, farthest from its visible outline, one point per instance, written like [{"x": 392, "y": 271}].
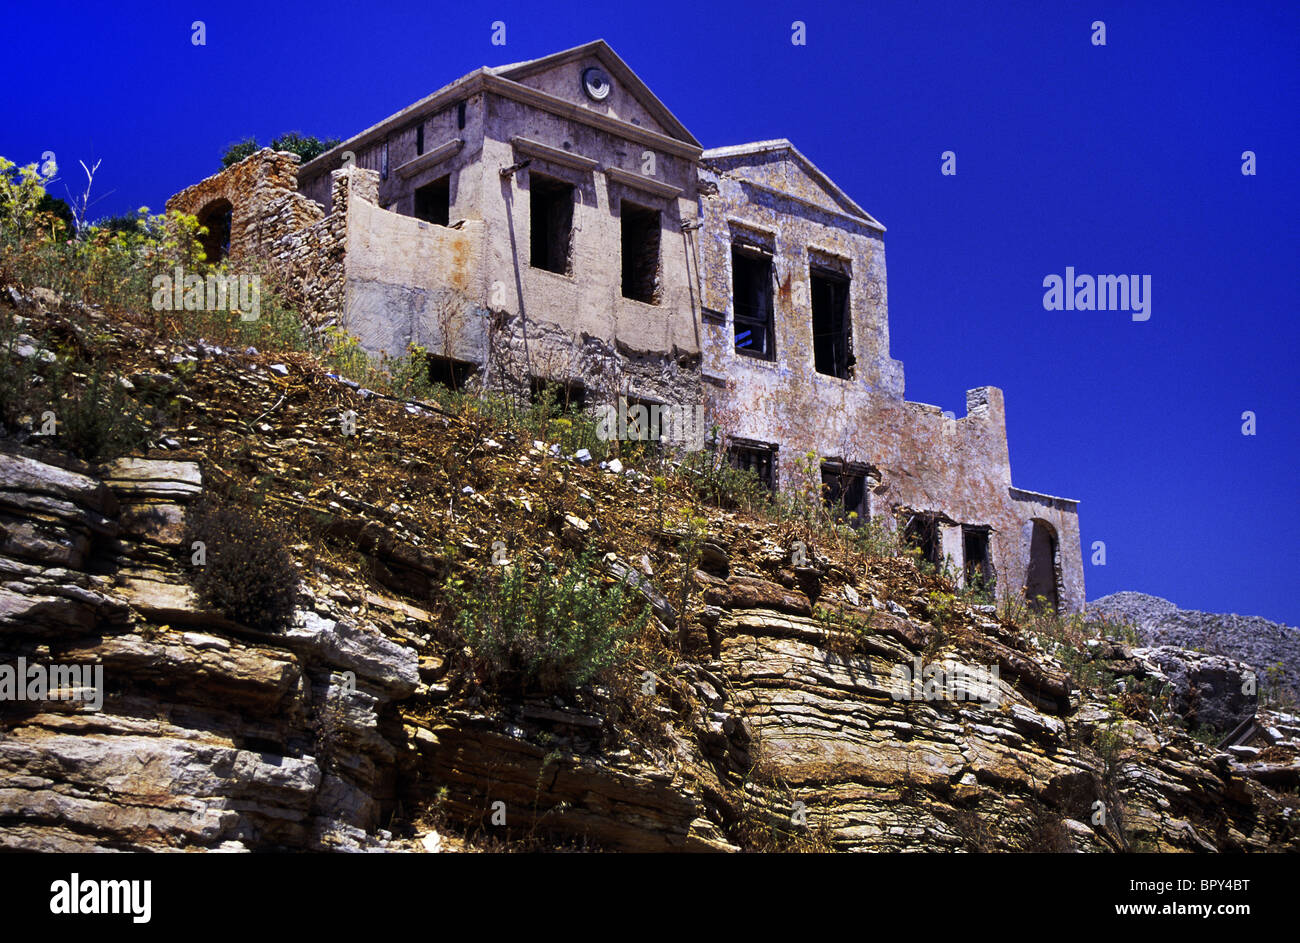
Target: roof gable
[
  {"x": 780, "y": 167},
  {"x": 630, "y": 100}
]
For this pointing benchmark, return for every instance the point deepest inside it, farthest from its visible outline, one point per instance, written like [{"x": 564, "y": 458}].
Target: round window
[{"x": 596, "y": 84}]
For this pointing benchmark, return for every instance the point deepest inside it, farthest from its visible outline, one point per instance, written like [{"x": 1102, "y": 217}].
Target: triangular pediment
[
  {"x": 628, "y": 99},
  {"x": 780, "y": 167}
]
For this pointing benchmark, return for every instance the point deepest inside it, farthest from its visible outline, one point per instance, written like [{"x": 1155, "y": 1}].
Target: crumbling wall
[
  {"x": 469, "y": 292},
  {"x": 312, "y": 258},
  {"x": 588, "y": 301},
  {"x": 400, "y": 167},
  {"x": 412, "y": 282},
  {"x": 954, "y": 469},
  {"x": 1061, "y": 515},
  {"x": 799, "y": 234},
  {"x": 262, "y": 190}
]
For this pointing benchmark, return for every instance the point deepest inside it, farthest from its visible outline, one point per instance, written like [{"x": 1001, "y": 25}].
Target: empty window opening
[
  {"x": 640, "y": 253},
  {"x": 646, "y": 422},
  {"x": 460, "y": 115},
  {"x": 216, "y": 217},
  {"x": 757, "y": 458},
  {"x": 564, "y": 396},
  {"x": 978, "y": 558},
  {"x": 1041, "y": 580},
  {"x": 551, "y": 223},
  {"x": 453, "y": 374},
  {"x": 419, "y": 139},
  {"x": 922, "y": 532},
  {"x": 433, "y": 201},
  {"x": 844, "y": 489},
  {"x": 751, "y": 280},
  {"x": 832, "y": 334}
]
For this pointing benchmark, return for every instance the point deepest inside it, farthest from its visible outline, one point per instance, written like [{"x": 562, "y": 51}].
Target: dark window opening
[
  {"x": 217, "y": 218},
  {"x": 551, "y": 223},
  {"x": 640, "y": 253},
  {"x": 844, "y": 489},
  {"x": 460, "y": 115},
  {"x": 1041, "y": 581},
  {"x": 977, "y": 557},
  {"x": 646, "y": 421},
  {"x": 922, "y": 531},
  {"x": 383, "y": 161},
  {"x": 751, "y": 279},
  {"x": 419, "y": 139},
  {"x": 832, "y": 335},
  {"x": 433, "y": 201},
  {"x": 565, "y": 396},
  {"x": 760, "y": 459},
  {"x": 453, "y": 374}
]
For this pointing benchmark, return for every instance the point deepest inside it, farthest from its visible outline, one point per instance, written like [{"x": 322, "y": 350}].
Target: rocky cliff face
[{"x": 771, "y": 717}]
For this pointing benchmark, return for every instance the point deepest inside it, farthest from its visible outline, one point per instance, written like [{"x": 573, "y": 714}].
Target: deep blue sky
[{"x": 1122, "y": 159}]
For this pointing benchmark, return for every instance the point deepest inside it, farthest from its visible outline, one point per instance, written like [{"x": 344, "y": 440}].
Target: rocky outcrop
[
  {"x": 1206, "y": 690},
  {"x": 210, "y": 735},
  {"x": 1271, "y": 648}
]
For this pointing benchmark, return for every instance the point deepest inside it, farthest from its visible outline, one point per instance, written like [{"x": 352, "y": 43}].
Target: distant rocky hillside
[{"x": 1271, "y": 648}]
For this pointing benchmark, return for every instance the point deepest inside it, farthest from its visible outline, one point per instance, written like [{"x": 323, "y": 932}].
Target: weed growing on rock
[
  {"x": 247, "y": 572},
  {"x": 552, "y": 629}
]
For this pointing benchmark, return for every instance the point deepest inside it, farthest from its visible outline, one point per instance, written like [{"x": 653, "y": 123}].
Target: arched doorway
[
  {"x": 216, "y": 216},
  {"x": 1041, "y": 580}
]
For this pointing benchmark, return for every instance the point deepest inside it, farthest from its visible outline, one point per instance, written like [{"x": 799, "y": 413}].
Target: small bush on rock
[
  {"x": 246, "y": 571},
  {"x": 551, "y": 630}
]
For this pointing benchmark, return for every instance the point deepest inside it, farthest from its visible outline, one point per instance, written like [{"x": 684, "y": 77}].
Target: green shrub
[
  {"x": 237, "y": 151},
  {"x": 96, "y": 418},
  {"x": 246, "y": 571},
  {"x": 876, "y": 540},
  {"x": 981, "y": 589},
  {"x": 305, "y": 146},
  {"x": 716, "y": 481},
  {"x": 110, "y": 267},
  {"x": 551, "y": 630},
  {"x": 22, "y": 195}
]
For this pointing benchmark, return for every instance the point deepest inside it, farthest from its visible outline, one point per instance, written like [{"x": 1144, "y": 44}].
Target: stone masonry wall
[
  {"x": 312, "y": 259},
  {"x": 262, "y": 190}
]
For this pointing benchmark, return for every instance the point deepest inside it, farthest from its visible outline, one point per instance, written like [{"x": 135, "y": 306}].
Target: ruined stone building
[{"x": 551, "y": 221}]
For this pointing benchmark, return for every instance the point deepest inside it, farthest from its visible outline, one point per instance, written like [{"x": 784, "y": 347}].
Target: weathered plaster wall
[
  {"x": 408, "y": 170},
  {"x": 589, "y": 300},
  {"x": 567, "y": 327},
  {"x": 620, "y": 105},
  {"x": 959, "y": 468},
  {"x": 1062, "y": 515},
  {"x": 799, "y": 234},
  {"x": 412, "y": 282}
]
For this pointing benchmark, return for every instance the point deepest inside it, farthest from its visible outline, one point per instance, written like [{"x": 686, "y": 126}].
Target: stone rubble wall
[
  {"x": 262, "y": 190},
  {"x": 312, "y": 259},
  {"x": 272, "y": 223}
]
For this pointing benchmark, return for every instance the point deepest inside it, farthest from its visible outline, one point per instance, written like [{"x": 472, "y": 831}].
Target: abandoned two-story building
[{"x": 552, "y": 222}]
